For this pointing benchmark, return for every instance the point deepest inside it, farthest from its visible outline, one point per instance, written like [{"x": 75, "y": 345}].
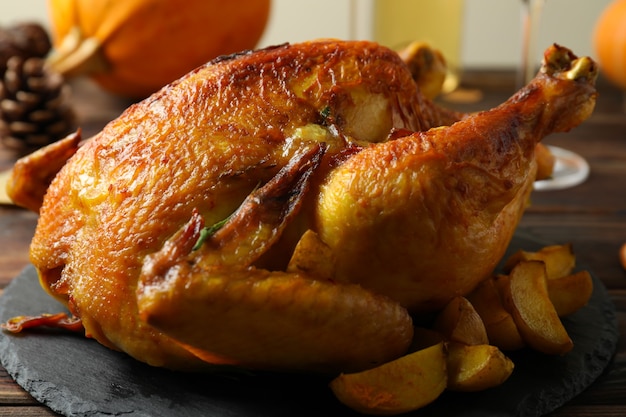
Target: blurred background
[{"x": 490, "y": 29}]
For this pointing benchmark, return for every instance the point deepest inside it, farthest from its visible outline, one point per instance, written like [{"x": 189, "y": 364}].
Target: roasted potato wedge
[
  {"x": 312, "y": 256},
  {"x": 499, "y": 324},
  {"x": 545, "y": 162},
  {"x": 477, "y": 367},
  {"x": 570, "y": 293},
  {"x": 526, "y": 298},
  {"x": 459, "y": 322},
  {"x": 399, "y": 386},
  {"x": 559, "y": 259},
  {"x": 29, "y": 179}
]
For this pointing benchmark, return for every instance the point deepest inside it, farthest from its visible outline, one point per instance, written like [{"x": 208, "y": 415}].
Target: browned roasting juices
[{"x": 326, "y": 139}]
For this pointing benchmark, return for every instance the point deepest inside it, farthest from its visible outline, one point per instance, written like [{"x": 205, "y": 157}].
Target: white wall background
[{"x": 491, "y": 27}]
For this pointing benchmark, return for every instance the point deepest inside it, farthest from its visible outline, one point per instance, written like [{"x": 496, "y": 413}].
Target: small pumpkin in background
[
  {"x": 134, "y": 47},
  {"x": 609, "y": 42}
]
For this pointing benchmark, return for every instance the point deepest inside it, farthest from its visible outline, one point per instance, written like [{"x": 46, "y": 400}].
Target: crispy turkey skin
[{"x": 416, "y": 203}]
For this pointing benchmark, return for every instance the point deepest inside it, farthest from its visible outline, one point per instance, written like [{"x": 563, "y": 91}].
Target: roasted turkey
[{"x": 170, "y": 233}]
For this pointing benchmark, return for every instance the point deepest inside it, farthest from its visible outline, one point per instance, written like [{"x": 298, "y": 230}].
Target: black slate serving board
[{"x": 78, "y": 377}]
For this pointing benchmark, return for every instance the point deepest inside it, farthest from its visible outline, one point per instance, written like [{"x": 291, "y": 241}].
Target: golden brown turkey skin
[
  {"x": 280, "y": 141},
  {"x": 203, "y": 144},
  {"x": 434, "y": 212}
]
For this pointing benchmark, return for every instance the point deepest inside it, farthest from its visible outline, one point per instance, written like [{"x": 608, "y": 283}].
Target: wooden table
[{"x": 592, "y": 216}]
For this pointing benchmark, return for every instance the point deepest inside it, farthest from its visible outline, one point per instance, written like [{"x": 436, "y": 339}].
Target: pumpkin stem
[{"x": 77, "y": 55}]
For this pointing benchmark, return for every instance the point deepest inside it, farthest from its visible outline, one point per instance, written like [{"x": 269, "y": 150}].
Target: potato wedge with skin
[
  {"x": 499, "y": 324},
  {"x": 559, "y": 259},
  {"x": 477, "y": 367},
  {"x": 312, "y": 257},
  {"x": 526, "y": 298},
  {"x": 405, "y": 384},
  {"x": 505, "y": 335},
  {"x": 459, "y": 322},
  {"x": 545, "y": 162},
  {"x": 571, "y": 292}
]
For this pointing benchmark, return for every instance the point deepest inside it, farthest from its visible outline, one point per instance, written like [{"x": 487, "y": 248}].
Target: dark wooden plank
[
  {"x": 35, "y": 411},
  {"x": 11, "y": 393},
  {"x": 16, "y": 230}
]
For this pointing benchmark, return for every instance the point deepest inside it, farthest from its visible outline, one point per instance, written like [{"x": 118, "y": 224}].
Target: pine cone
[
  {"x": 24, "y": 40},
  {"x": 34, "y": 104}
]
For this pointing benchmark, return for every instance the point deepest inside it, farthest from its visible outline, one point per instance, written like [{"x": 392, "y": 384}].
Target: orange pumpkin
[
  {"x": 134, "y": 47},
  {"x": 609, "y": 41}
]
